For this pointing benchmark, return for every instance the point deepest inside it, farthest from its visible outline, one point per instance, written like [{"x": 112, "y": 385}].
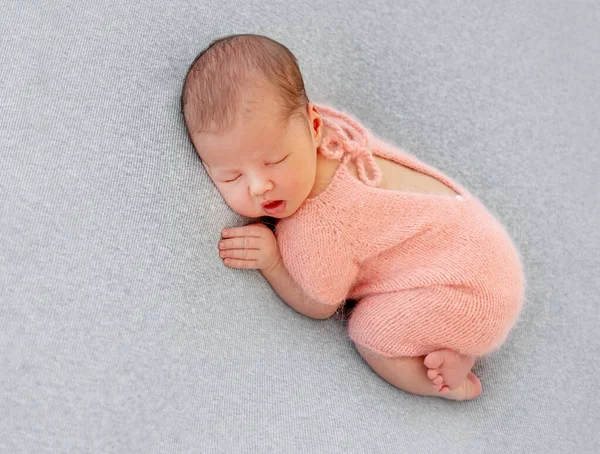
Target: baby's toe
[
  {"x": 438, "y": 380},
  {"x": 432, "y": 373},
  {"x": 434, "y": 359}
]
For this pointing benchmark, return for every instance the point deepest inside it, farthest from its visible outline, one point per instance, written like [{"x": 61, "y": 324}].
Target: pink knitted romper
[{"x": 429, "y": 271}]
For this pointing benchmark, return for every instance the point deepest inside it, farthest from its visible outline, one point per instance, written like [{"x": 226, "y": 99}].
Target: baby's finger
[
  {"x": 242, "y": 264},
  {"x": 251, "y": 230},
  {"x": 242, "y": 254},
  {"x": 245, "y": 242}
]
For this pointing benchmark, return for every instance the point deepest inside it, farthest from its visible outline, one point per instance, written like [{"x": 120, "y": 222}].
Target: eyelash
[
  {"x": 279, "y": 161},
  {"x": 230, "y": 181}
]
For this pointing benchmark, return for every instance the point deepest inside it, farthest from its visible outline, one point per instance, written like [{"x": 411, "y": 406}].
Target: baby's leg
[
  {"x": 433, "y": 323},
  {"x": 410, "y": 374}
]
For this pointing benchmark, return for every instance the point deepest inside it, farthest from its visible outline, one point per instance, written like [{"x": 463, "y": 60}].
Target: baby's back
[{"x": 397, "y": 177}]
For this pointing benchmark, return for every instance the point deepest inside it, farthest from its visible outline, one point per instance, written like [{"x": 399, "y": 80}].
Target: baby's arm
[
  {"x": 292, "y": 294},
  {"x": 255, "y": 247}
]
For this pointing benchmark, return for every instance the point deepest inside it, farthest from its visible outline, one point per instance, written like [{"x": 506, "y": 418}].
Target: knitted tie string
[{"x": 351, "y": 140}]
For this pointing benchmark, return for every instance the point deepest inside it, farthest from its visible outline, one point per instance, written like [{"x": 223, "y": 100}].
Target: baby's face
[{"x": 260, "y": 167}]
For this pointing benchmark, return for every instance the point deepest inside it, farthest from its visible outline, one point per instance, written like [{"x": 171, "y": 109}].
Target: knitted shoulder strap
[{"x": 347, "y": 136}]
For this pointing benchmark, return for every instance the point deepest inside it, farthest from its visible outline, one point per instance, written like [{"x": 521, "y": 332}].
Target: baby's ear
[
  {"x": 319, "y": 132},
  {"x": 316, "y": 123}
]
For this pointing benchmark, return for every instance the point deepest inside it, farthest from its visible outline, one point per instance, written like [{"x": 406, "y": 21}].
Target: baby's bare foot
[
  {"x": 469, "y": 389},
  {"x": 448, "y": 369}
]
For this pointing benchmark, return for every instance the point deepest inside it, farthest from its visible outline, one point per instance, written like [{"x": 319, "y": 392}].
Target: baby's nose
[{"x": 259, "y": 186}]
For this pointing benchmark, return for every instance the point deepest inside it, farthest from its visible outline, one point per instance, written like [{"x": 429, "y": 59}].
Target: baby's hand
[{"x": 251, "y": 247}]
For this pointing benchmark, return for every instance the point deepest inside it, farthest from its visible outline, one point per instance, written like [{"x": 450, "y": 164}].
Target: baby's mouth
[{"x": 274, "y": 207}]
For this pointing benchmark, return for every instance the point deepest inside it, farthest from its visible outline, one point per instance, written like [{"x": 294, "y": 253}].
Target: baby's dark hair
[{"x": 218, "y": 76}]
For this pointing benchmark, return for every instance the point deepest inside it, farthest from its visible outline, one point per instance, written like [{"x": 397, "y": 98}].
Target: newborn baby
[{"x": 437, "y": 280}]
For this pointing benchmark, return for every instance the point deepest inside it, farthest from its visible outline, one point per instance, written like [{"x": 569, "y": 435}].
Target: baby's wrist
[{"x": 273, "y": 267}]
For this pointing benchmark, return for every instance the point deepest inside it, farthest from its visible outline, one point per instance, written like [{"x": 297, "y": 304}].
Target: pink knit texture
[{"x": 430, "y": 271}]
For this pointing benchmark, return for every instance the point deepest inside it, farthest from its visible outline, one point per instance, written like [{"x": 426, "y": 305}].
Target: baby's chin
[
  {"x": 290, "y": 210},
  {"x": 286, "y": 213}
]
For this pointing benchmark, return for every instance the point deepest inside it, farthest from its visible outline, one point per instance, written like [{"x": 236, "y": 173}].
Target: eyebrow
[
  {"x": 225, "y": 170},
  {"x": 221, "y": 169}
]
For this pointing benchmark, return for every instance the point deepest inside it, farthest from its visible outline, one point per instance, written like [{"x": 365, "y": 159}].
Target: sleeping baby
[{"x": 437, "y": 280}]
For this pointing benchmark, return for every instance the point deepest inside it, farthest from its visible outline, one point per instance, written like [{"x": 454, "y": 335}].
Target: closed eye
[
  {"x": 279, "y": 161},
  {"x": 233, "y": 179}
]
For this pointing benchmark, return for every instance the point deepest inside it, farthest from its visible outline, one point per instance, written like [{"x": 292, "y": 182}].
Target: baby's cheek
[
  {"x": 236, "y": 199},
  {"x": 294, "y": 182},
  {"x": 232, "y": 199}
]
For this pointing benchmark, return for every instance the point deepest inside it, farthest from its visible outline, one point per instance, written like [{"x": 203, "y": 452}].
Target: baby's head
[{"x": 248, "y": 117}]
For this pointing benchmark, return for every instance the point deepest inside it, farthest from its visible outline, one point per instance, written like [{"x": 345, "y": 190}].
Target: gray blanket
[{"x": 122, "y": 331}]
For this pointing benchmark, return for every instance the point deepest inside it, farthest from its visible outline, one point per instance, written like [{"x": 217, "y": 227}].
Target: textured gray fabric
[{"x": 121, "y": 330}]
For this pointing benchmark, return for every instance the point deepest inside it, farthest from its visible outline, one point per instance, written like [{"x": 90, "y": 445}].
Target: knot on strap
[{"x": 346, "y": 136}]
